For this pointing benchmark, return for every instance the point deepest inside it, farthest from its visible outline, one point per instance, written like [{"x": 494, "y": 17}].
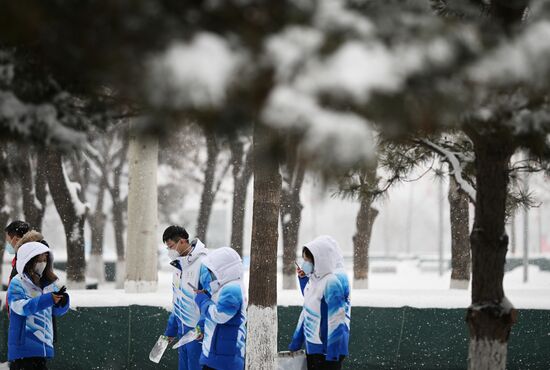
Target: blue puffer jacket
[{"x": 31, "y": 308}]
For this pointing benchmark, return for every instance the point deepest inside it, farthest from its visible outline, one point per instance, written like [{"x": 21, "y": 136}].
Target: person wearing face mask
[
  {"x": 33, "y": 300},
  {"x": 188, "y": 273},
  {"x": 13, "y": 233},
  {"x": 223, "y": 307},
  {"x": 322, "y": 327}
]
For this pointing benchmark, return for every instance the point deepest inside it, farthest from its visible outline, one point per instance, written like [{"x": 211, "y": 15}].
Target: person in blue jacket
[
  {"x": 322, "y": 327},
  {"x": 223, "y": 306},
  {"x": 33, "y": 299},
  {"x": 188, "y": 272}
]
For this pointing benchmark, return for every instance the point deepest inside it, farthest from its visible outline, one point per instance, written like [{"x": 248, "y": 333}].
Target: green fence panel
[{"x": 381, "y": 338}]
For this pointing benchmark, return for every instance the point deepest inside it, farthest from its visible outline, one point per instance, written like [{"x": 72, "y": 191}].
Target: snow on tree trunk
[
  {"x": 208, "y": 194},
  {"x": 141, "y": 253},
  {"x": 96, "y": 266},
  {"x": 33, "y": 186},
  {"x": 261, "y": 348},
  {"x": 73, "y": 215},
  {"x": 361, "y": 241},
  {"x": 291, "y": 212},
  {"x": 490, "y": 316},
  {"x": 460, "y": 242},
  {"x": 242, "y": 171}
]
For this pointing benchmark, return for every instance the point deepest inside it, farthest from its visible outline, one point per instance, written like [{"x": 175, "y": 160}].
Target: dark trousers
[
  {"x": 207, "y": 368},
  {"x": 319, "y": 362},
  {"x": 29, "y": 363}
]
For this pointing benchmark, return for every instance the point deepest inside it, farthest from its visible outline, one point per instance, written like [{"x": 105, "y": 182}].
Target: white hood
[
  {"x": 324, "y": 256},
  {"x": 225, "y": 263},
  {"x": 27, "y": 251},
  {"x": 198, "y": 250},
  {"x": 338, "y": 255}
]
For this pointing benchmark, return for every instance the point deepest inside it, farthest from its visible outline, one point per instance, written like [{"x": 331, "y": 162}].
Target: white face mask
[
  {"x": 40, "y": 267},
  {"x": 173, "y": 254}
]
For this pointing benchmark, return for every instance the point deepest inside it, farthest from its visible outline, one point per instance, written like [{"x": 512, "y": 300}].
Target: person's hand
[
  {"x": 300, "y": 272},
  {"x": 170, "y": 339},
  {"x": 56, "y": 298}
]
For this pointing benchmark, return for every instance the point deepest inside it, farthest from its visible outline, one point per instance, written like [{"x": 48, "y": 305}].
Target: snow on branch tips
[
  {"x": 456, "y": 167},
  {"x": 330, "y": 137},
  {"x": 193, "y": 75}
]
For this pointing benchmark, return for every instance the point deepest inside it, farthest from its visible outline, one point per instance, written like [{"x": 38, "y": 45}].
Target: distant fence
[{"x": 381, "y": 338}]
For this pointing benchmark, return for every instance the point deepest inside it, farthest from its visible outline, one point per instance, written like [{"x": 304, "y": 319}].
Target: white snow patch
[
  {"x": 74, "y": 188},
  {"x": 487, "y": 354},
  {"x": 333, "y": 15}
]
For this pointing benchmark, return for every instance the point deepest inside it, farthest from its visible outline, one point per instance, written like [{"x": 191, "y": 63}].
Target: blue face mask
[
  {"x": 307, "y": 267},
  {"x": 8, "y": 248}
]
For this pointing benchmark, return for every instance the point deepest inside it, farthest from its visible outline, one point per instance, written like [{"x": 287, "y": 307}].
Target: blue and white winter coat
[
  {"x": 341, "y": 274},
  {"x": 224, "y": 311},
  {"x": 31, "y": 308},
  {"x": 322, "y": 327},
  {"x": 188, "y": 269}
]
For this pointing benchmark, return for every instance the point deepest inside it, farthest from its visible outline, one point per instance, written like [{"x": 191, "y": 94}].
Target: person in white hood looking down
[
  {"x": 322, "y": 326},
  {"x": 223, "y": 306}
]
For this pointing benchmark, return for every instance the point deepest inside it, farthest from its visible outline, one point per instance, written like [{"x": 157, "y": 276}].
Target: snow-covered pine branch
[{"x": 456, "y": 167}]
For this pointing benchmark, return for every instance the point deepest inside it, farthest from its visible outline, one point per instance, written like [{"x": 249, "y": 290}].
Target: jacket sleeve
[
  {"x": 229, "y": 304},
  {"x": 335, "y": 299},
  {"x": 303, "y": 282},
  {"x": 204, "y": 282},
  {"x": 171, "y": 326},
  {"x": 24, "y": 306},
  {"x": 62, "y": 310}
]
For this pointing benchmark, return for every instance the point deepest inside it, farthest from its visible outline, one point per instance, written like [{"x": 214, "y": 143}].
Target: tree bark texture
[
  {"x": 361, "y": 242},
  {"x": 242, "y": 172},
  {"x": 4, "y": 211},
  {"x": 73, "y": 223},
  {"x": 263, "y": 256},
  {"x": 491, "y": 316},
  {"x": 291, "y": 212},
  {"x": 208, "y": 193},
  {"x": 460, "y": 241}
]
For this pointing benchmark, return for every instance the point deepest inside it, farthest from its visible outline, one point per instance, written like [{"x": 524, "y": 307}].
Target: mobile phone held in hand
[
  {"x": 61, "y": 291},
  {"x": 297, "y": 265}
]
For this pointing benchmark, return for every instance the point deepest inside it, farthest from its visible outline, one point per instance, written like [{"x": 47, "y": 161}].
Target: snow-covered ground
[{"x": 408, "y": 286}]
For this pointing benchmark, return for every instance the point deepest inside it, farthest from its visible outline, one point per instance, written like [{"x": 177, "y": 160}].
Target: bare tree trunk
[
  {"x": 96, "y": 266},
  {"x": 513, "y": 232},
  {"x": 361, "y": 242},
  {"x": 33, "y": 186},
  {"x": 460, "y": 242},
  {"x": 72, "y": 216},
  {"x": 141, "y": 255},
  {"x": 208, "y": 194},
  {"x": 491, "y": 315},
  {"x": 261, "y": 349},
  {"x": 242, "y": 172},
  {"x": 4, "y": 209},
  {"x": 291, "y": 212}
]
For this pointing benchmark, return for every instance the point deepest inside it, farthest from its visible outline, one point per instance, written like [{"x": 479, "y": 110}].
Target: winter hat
[{"x": 26, "y": 252}]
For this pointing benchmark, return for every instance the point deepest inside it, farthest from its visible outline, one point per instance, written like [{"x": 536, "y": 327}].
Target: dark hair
[
  {"x": 308, "y": 254},
  {"x": 17, "y": 228},
  {"x": 174, "y": 233}
]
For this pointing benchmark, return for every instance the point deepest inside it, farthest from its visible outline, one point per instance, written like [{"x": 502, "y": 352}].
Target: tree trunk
[
  {"x": 491, "y": 315},
  {"x": 291, "y": 213},
  {"x": 118, "y": 207},
  {"x": 4, "y": 209},
  {"x": 96, "y": 266},
  {"x": 72, "y": 216},
  {"x": 242, "y": 172},
  {"x": 208, "y": 194},
  {"x": 261, "y": 349},
  {"x": 460, "y": 242},
  {"x": 33, "y": 186},
  {"x": 141, "y": 256},
  {"x": 361, "y": 242}
]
